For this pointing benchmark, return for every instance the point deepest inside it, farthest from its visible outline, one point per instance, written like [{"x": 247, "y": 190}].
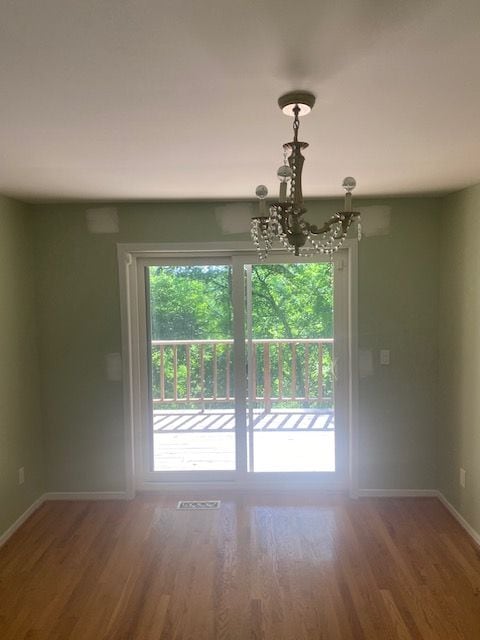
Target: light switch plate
[
  {"x": 385, "y": 356},
  {"x": 113, "y": 366}
]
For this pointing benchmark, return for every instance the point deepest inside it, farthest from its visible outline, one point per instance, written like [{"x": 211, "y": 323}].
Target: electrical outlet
[
  {"x": 21, "y": 475},
  {"x": 463, "y": 473}
]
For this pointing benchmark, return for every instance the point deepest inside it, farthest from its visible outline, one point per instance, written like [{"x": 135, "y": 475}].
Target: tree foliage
[
  {"x": 194, "y": 303},
  {"x": 190, "y": 302},
  {"x": 292, "y": 301}
]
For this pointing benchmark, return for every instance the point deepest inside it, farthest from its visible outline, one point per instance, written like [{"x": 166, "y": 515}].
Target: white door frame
[{"x": 129, "y": 256}]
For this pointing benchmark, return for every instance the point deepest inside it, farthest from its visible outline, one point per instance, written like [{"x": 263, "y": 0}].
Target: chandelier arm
[{"x": 347, "y": 217}]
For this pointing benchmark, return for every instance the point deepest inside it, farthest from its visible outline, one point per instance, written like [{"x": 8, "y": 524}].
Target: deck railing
[{"x": 200, "y": 372}]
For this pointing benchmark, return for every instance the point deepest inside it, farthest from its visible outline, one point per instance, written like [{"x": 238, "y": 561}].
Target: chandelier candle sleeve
[
  {"x": 348, "y": 201},
  {"x": 285, "y": 219}
]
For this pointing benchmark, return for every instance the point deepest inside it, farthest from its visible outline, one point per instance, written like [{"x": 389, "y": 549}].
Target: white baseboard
[
  {"x": 80, "y": 495},
  {"x": 19, "y": 521},
  {"x": 86, "y": 495},
  {"x": 459, "y": 518},
  {"x": 397, "y": 493},
  {"x": 422, "y": 493}
]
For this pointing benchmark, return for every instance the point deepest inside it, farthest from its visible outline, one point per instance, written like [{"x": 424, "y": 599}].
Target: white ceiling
[{"x": 152, "y": 99}]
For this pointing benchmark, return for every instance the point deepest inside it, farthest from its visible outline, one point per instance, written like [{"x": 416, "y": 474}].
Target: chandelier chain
[{"x": 296, "y": 122}]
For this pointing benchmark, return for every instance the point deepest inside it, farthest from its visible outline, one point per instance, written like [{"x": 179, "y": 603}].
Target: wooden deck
[
  {"x": 284, "y": 440},
  {"x": 219, "y": 420}
]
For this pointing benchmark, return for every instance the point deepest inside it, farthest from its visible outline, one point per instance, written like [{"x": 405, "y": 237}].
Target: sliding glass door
[
  {"x": 290, "y": 367},
  {"x": 245, "y": 368}
]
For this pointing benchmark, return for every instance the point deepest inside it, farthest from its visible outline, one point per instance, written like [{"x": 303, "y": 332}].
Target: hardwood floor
[{"x": 265, "y": 565}]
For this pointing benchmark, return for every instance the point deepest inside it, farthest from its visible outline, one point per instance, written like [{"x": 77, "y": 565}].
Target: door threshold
[{"x": 242, "y": 486}]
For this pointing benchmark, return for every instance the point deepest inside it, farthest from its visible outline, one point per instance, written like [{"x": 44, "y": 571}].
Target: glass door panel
[
  {"x": 290, "y": 354},
  {"x": 190, "y": 353}
]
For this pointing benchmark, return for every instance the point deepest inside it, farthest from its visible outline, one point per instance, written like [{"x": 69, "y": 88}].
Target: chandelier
[{"x": 285, "y": 218}]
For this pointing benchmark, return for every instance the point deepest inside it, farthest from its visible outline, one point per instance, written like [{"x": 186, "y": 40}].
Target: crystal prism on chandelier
[{"x": 284, "y": 220}]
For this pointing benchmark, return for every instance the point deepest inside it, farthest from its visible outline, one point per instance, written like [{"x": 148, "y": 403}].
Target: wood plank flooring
[{"x": 265, "y": 565}]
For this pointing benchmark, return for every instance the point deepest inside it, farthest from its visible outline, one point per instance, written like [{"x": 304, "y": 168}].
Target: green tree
[
  {"x": 194, "y": 303},
  {"x": 292, "y": 300}
]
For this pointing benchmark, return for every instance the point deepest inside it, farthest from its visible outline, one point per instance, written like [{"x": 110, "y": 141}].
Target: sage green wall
[
  {"x": 80, "y": 322},
  {"x": 398, "y": 310},
  {"x": 21, "y": 443},
  {"x": 459, "y": 437},
  {"x": 79, "y": 319}
]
